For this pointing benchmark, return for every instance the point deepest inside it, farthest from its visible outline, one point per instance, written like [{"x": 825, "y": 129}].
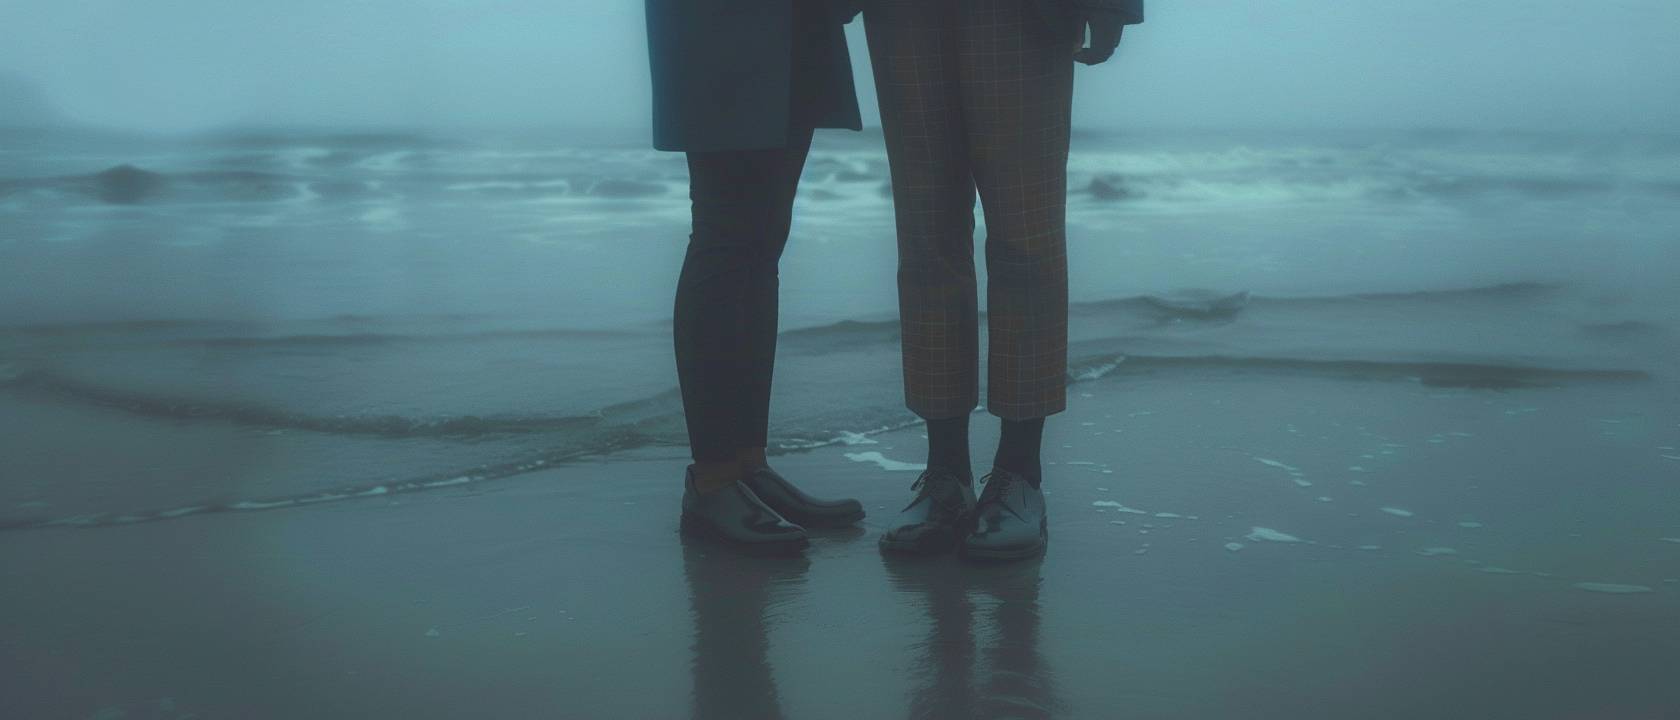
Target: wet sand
[{"x": 1222, "y": 545}]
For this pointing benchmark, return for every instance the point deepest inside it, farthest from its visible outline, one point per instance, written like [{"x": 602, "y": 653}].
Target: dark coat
[
  {"x": 1063, "y": 15},
  {"x": 722, "y": 71},
  {"x": 1066, "y": 15}
]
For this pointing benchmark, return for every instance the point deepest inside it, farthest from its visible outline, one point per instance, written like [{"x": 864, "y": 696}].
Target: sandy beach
[
  {"x": 310, "y": 424},
  {"x": 1223, "y": 544},
  {"x": 339, "y": 355}
]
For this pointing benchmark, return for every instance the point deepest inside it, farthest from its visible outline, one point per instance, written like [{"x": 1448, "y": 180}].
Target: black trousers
[
  {"x": 725, "y": 318},
  {"x": 726, "y": 311}
]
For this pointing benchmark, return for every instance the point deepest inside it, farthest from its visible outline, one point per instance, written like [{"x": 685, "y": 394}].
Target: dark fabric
[
  {"x": 724, "y": 324},
  {"x": 976, "y": 95},
  {"x": 948, "y": 445},
  {"x": 1066, "y": 11},
  {"x": 1063, "y": 16},
  {"x": 1132, "y": 9},
  {"x": 1018, "y": 448},
  {"x": 815, "y": 101},
  {"x": 722, "y": 71},
  {"x": 1068, "y": 16},
  {"x": 846, "y": 10}
]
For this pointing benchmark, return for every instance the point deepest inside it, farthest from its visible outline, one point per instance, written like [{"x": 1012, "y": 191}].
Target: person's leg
[
  {"x": 760, "y": 302},
  {"x": 809, "y": 95},
  {"x": 913, "y": 49},
  {"x": 758, "y": 358},
  {"x": 1018, "y": 449},
  {"x": 948, "y": 445},
  {"x": 1017, "y": 85},
  {"x": 735, "y": 196}
]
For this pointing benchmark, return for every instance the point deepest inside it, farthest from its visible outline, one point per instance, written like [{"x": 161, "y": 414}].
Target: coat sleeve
[{"x": 1130, "y": 10}]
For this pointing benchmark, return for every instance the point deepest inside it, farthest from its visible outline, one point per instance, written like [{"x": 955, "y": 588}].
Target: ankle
[
  {"x": 753, "y": 459},
  {"x": 712, "y": 476},
  {"x": 948, "y": 445},
  {"x": 1018, "y": 449},
  {"x": 1033, "y": 474},
  {"x": 964, "y": 474}
]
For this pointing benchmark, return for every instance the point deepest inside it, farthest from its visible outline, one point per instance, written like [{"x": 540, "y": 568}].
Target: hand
[{"x": 1106, "y": 28}]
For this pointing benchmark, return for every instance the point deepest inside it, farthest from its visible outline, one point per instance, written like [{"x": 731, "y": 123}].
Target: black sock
[
  {"x": 1018, "y": 449},
  {"x": 948, "y": 445}
]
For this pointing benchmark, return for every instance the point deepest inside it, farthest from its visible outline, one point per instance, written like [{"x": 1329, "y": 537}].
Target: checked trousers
[{"x": 976, "y": 98}]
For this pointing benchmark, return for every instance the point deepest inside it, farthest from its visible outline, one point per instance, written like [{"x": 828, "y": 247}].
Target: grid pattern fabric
[{"x": 975, "y": 99}]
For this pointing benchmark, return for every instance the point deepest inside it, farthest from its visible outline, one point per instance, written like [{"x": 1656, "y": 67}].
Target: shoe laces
[
  {"x": 995, "y": 486},
  {"x": 922, "y": 486},
  {"x": 922, "y": 480}
]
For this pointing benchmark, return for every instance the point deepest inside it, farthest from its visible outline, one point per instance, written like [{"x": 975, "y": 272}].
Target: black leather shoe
[
  {"x": 734, "y": 514},
  {"x": 933, "y": 521},
  {"x": 1009, "y": 521},
  {"x": 793, "y": 504}
]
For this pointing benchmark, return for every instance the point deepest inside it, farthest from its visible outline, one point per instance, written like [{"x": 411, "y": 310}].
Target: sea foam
[
  {"x": 1612, "y": 588},
  {"x": 885, "y": 462},
  {"x": 1119, "y": 507},
  {"x": 1262, "y": 534}
]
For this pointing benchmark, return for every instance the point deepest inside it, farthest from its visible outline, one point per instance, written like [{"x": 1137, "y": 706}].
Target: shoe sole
[
  {"x": 1019, "y": 553},
  {"x": 946, "y": 544},
  {"x": 825, "y": 523},
  {"x": 703, "y": 530}
]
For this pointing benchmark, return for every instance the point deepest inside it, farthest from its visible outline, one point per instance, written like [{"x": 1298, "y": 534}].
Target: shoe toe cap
[
  {"x": 783, "y": 528},
  {"x": 845, "y": 508},
  {"x": 911, "y": 530},
  {"x": 920, "y": 537},
  {"x": 989, "y": 541}
]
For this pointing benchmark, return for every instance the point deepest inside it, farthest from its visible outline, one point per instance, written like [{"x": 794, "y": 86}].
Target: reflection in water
[
  {"x": 1015, "y": 683},
  {"x": 730, "y": 593},
  {"x": 958, "y": 669}
]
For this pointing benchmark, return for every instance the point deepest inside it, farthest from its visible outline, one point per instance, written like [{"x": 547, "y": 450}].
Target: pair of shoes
[
  {"x": 753, "y": 512},
  {"x": 1007, "y": 521}
]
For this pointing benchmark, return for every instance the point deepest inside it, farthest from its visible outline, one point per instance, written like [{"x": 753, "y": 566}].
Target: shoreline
[{"x": 567, "y": 591}]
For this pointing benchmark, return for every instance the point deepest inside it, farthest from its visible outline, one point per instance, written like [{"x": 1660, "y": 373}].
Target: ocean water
[{"x": 251, "y": 320}]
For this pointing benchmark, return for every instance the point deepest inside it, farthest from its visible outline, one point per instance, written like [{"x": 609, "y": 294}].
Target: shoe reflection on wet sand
[
  {"x": 729, "y": 592},
  {"x": 1015, "y": 683},
  {"x": 965, "y": 666}
]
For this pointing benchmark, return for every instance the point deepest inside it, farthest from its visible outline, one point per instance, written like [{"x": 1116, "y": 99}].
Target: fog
[
  {"x": 191, "y": 64},
  {"x": 337, "y": 376}
]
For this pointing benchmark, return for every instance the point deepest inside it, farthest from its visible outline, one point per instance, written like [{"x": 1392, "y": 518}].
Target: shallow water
[
  {"x": 566, "y": 592},
  {"x": 341, "y": 313},
  {"x": 1381, "y": 420}
]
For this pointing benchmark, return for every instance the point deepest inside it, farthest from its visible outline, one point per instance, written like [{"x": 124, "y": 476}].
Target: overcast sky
[{"x": 182, "y": 64}]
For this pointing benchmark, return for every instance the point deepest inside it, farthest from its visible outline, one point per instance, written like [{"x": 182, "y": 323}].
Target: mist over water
[
  {"x": 306, "y": 283},
  {"x": 176, "y": 65}
]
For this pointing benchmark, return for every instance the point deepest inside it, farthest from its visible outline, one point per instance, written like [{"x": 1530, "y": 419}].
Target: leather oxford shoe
[
  {"x": 798, "y": 507},
  {"x": 1009, "y": 520},
  {"x": 734, "y": 514},
  {"x": 935, "y": 519}
]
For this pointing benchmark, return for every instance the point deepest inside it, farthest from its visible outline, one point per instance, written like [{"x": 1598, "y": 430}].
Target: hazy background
[
  {"x": 1374, "y": 342},
  {"x": 185, "y": 64}
]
